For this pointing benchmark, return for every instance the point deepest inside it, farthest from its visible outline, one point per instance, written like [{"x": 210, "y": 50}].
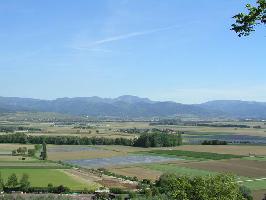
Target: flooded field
[
  {"x": 120, "y": 160},
  {"x": 230, "y": 138}
]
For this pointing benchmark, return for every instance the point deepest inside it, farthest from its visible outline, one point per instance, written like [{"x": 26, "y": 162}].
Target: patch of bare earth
[
  {"x": 139, "y": 172},
  {"x": 248, "y": 168},
  {"x": 106, "y": 181}
]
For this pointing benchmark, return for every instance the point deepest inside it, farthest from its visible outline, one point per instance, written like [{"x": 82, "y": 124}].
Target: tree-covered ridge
[{"x": 245, "y": 23}]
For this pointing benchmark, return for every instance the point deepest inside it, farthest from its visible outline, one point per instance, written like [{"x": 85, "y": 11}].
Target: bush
[{"x": 220, "y": 186}]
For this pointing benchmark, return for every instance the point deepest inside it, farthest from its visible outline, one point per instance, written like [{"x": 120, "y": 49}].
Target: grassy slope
[
  {"x": 169, "y": 168},
  {"x": 42, "y": 177}
]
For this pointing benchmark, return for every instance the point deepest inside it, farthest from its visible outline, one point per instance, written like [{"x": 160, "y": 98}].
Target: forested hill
[{"x": 133, "y": 107}]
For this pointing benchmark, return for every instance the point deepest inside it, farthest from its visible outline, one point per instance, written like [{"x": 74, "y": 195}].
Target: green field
[
  {"x": 42, "y": 177},
  {"x": 256, "y": 185},
  {"x": 171, "y": 168}
]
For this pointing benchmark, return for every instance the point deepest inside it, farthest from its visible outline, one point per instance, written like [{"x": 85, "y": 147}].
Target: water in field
[
  {"x": 230, "y": 138},
  {"x": 121, "y": 160}
]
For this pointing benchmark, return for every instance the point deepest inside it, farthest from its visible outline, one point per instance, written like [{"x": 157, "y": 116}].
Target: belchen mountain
[{"x": 133, "y": 107}]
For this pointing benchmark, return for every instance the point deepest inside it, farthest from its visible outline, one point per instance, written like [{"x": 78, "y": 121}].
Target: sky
[{"x": 178, "y": 50}]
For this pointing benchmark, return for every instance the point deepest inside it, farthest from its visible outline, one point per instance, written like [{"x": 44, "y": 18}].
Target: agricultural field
[
  {"x": 71, "y": 164},
  {"x": 41, "y": 173},
  {"x": 43, "y": 177}
]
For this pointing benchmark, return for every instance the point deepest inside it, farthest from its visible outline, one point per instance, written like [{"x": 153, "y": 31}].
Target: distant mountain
[
  {"x": 236, "y": 108},
  {"x": 133, "y": 107}
]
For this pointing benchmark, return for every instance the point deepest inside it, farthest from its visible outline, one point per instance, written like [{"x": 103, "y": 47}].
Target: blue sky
[{"x": 180, "y": 50}]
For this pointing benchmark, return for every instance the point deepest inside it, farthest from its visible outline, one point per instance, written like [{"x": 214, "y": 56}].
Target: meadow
[{"x": 43, "y": 177}]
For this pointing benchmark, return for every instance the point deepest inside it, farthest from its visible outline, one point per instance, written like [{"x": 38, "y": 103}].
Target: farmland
[
  {"x": 72, "y": 164},
  {"x": 49, "y": 176}
]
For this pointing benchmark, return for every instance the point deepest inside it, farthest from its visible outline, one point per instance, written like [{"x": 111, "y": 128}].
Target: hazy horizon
[
  {"x": 145, "y": 48},
  {"x": 114, "y": 97}
]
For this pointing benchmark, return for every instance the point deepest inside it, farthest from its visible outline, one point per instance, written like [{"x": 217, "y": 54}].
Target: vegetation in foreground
[
  {"x": 43, "y": 177},
  {"x": 171, "y": 186}
]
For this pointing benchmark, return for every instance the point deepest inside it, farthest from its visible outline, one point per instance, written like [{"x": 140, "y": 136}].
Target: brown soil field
[
  {"x": 248, "y": 168},
  {"x": 226, "y": 149},
  {"x": 82, "y": 155},
  {"x": 139, "y": 172},
  {"x": 258, "y": 194},
  {"x": 10, "y": 147}
]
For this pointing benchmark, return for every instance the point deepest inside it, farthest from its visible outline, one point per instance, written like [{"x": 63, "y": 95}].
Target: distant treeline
[
  {"x": 166, "y": 122},
  {"x": 146, "y": 140},
  {"x": 12, "y": 129},
  {"x": 214, "y": 142},
  {"x": 224, "y": 125},
  {"x": 134, "y": 130}
]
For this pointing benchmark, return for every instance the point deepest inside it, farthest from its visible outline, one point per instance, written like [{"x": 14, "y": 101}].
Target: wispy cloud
[{"x": 123, "y": 37}]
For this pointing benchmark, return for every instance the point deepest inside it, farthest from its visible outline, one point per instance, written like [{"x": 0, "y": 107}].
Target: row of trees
[
  {"x": 24, "y": 151},
  {"x": 214, "y": 142},
  {"x": 145, "y": 140},
  {"x": 12, "y": 129}
]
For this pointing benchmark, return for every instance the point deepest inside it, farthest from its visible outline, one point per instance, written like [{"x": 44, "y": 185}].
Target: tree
[
  {"x": 22, "y": 150},
  {"x": 179, "y": 139},
  {"x": 24, "y": 183},
  {"x": 50, "y": 187},
  {"x": 31, "y": 152},
  {"x": 44, "y": 151},
  {"x": 245, "y": 23},
  {"x": 37, "y": 147},
  {"x": 1, "y": 183},
  {"x": 14, "y": 152},
  {"x": 12, "y": 181}
]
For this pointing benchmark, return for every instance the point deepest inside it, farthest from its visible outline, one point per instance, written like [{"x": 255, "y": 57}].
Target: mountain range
[{"x": 134, "y": 107}]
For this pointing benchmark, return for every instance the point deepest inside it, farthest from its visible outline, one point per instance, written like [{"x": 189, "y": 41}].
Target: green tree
[
  {"x": 2, "y": 184},
  {"x": 245, "y": 23},
  {"x": 12, "y": 181},
  {"x": 37, "y": 147},
  {"x": 24, "y": 183},
  {"x": 44, "y": 151},
  {"x": 14, "y": 152},
  {"x": 31, "y": 152},
  {"x": 22, "y": 150},
  {"x": 179, "y": 138}
]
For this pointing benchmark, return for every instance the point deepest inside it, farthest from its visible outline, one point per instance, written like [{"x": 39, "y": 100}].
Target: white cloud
[{"x": 116, "y": 38}]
